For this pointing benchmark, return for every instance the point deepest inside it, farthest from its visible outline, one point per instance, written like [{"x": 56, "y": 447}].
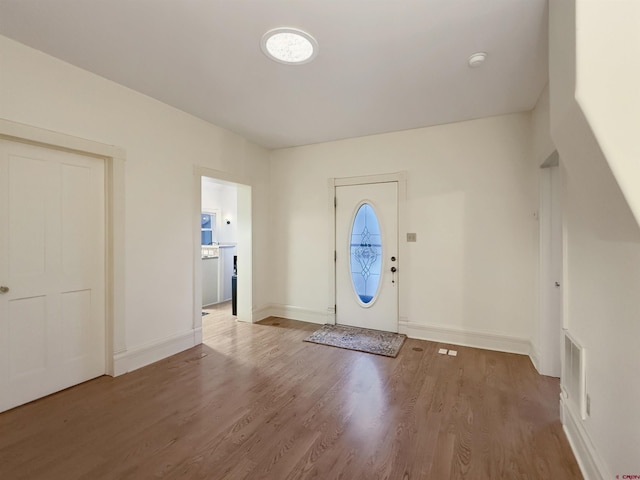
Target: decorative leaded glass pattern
[{"x": 366, "y": 253}]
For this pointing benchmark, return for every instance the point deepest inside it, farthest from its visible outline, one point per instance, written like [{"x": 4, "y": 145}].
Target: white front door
[
  {"x": 367, "y": 256},
  {"x": 52, "y": 270}
]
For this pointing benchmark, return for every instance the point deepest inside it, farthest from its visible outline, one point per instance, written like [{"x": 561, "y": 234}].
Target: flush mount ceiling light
[
  {"x": 289, "y": 46},
  {"x": 477, "y": 59}
]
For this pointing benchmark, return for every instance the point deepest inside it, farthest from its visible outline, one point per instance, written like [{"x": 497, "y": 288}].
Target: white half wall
[
  {"x": 162, "y": 146},
  {"x": 471, "y": 198}
]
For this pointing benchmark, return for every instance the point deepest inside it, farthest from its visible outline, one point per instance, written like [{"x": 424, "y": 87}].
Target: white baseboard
[
  {"x": 197, "y": 336},
  {"x": 588, "y": 459},
  {"x": 535, "y": 359},
  {"x": 261, "y": 313},
  {"x": 142, "y": 355},
  {"x": 487, "y": 341},
  {"x": 292, "y": 313}
]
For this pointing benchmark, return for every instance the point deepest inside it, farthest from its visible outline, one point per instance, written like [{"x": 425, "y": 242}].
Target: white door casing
[
  {"x": 52, "y": 259},
  {"x": 381, "y": 312},
  {"x": 551, "y": 273}
]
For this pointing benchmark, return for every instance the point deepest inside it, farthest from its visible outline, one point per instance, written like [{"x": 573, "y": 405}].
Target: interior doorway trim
[
  {"x": 332, "y": 183},
  {"x": 547, "y": 347},
  {"x": 114, "y": 158},
  {"x": 244, "y": 247}
]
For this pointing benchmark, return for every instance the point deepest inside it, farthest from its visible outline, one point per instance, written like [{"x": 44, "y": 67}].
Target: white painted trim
[
  {"x": 261, "y": 313},
  {"x": 535, "y": 359},
  {"x": 331, "y": 259},
  {"x": 591, "y": 465},
  {"x": 292, "y": 313},
  {"x": 115, "y": 261},
  {"x": 550, "y": 310},
  {"x": 403, "y": 247},
  {"x": 367, "y": 179},
  {"x": 196, "y": 280},
  {"x": 466, "y": 338},
  {"x": 565, "y": 251},
  {"x": 331, "y": 315},
  {"x": 197, "y": 335},
  {"x": 40, "y": 136},
  {"x": 114, "y": 158},
  {"x": 244, "y": 249},
  {"x": 228, "y": 177},
  {"x": 143, "y": 355}
]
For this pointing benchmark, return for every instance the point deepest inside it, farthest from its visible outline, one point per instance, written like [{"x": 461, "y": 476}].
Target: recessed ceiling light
[
  {"x": 289, "y": 46},
  {"x": 477, "y": 59}
]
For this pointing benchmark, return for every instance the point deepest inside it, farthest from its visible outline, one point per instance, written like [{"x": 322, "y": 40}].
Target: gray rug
[{"x": 360, "y": 339}]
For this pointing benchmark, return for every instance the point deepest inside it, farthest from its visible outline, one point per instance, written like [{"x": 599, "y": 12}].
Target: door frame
[
  {"x": 401, "y": 179},
  {"x": 551, "y": 269},
  {"x": 114, "y": 159}
]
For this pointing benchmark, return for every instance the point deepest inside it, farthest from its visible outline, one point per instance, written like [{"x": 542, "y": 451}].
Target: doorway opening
[
  {"x": 222, "y": 248},
  {"x": 219, "y": 240}
]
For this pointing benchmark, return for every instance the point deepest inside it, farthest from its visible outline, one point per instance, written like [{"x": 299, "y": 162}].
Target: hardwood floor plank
[{"x": 256, "y": 402}]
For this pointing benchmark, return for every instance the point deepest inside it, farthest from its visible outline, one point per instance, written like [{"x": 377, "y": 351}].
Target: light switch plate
[
  {"x": 442, "y": 351},
  {"x": 412, "y": 237},
  {"x": 453, "y": 353}
]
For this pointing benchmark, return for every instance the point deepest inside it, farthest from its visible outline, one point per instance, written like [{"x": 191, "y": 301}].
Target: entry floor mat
[{"x": 360, "y": 339}]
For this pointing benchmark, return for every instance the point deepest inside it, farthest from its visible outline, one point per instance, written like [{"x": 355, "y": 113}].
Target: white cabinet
[
  {"x": 216, "y": 275},
  {"x": 210, "y": 276}
]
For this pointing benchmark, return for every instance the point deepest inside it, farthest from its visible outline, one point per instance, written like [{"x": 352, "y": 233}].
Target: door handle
[
  {"x": 557, "y": 284},
  {"x": 4, "y": 289}
]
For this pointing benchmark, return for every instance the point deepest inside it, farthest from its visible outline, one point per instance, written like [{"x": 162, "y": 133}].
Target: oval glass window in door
[{"x": 365, "y": 254}]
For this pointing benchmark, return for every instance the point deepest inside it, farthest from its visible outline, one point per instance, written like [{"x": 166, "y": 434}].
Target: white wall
[
  {"x": 608, "y": 75},
  {"x": 471, "y": 194},
  {"x": 162, "y": 146},
  {"x": 602, "y": 278},
  {"x": 541, "y": 143},
  {"x": 224, "y": 198}
]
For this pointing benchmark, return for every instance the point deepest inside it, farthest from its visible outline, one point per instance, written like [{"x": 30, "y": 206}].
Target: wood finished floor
[{"x": 256, "y": 402}]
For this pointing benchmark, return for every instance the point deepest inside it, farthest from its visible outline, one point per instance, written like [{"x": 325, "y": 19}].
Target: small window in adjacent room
[{"x": 208, "y": 229}]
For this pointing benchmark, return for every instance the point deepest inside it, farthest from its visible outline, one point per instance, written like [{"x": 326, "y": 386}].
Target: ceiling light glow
[
  {"x": 289, "y": 46},
  {"x": 477, "y": 59}
]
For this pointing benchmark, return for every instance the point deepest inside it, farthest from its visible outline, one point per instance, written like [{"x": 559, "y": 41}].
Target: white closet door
[{"x": 52, "y": 265}]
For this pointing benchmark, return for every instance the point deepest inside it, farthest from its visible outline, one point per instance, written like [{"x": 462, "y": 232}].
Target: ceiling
[{"x": 383, "y": 65}]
